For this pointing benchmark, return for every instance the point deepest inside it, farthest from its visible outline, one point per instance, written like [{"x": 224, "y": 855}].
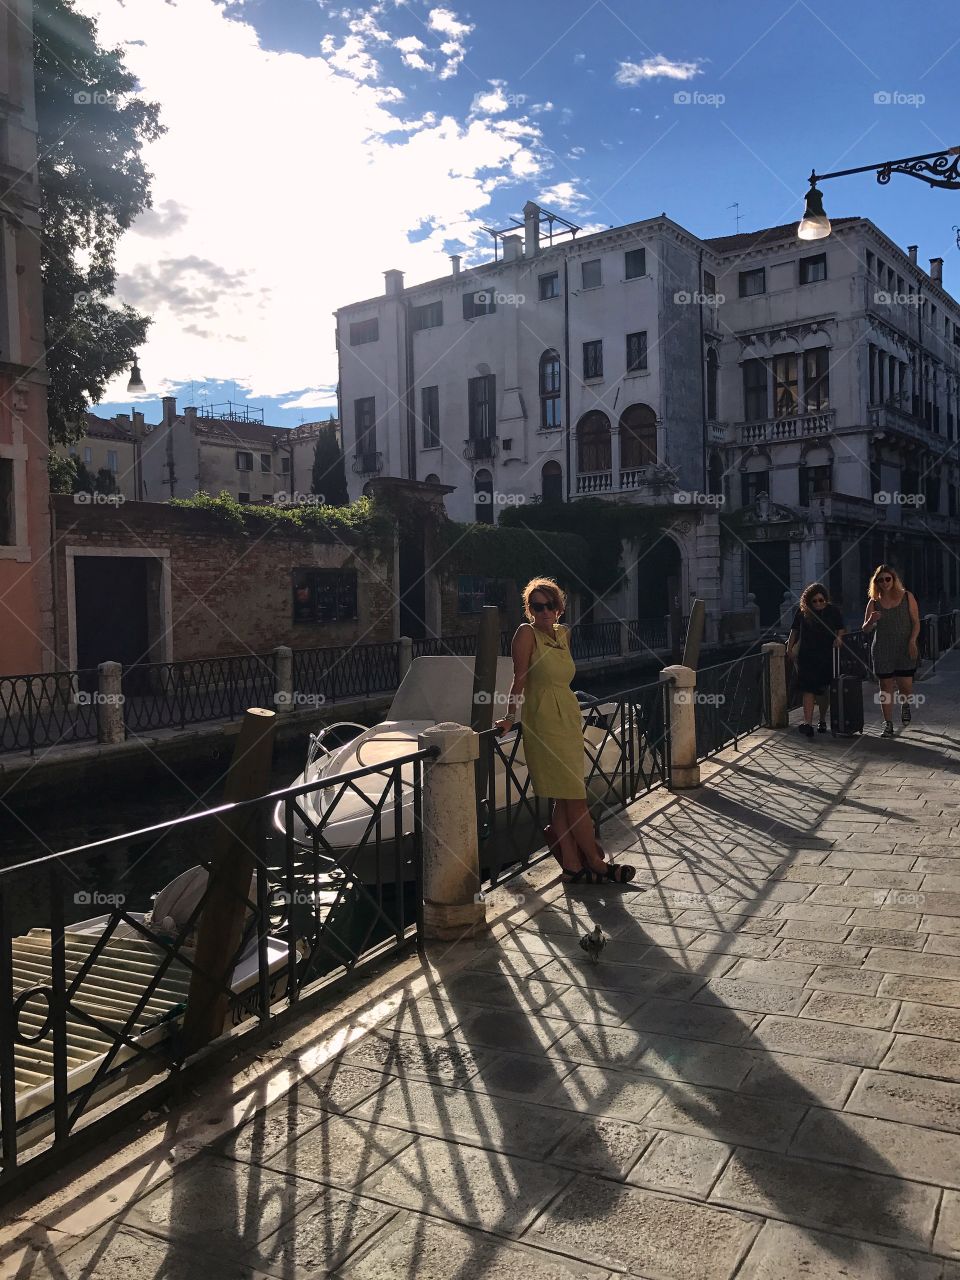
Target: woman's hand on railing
[{"x": 503, "y": 726}]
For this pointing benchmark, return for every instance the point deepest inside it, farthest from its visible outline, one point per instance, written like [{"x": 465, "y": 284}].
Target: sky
[{"x": 312, "y": 146}]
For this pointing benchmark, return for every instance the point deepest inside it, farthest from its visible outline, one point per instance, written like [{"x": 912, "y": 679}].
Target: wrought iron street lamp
[
  {"x": 936, "y": 168},
  {"x": 136, "y": 382}
]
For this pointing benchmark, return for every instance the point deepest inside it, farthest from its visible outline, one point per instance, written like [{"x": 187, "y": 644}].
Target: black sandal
[
  {"x": 583, "y": 876},
  {"x": 620, "y": 872}
]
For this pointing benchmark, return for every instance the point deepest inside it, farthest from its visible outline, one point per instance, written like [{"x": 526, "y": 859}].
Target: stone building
[
  {"x": 115, "y": 445},
  {"x": 25, "y": 600},
  {"x": 809, "y": 393}
]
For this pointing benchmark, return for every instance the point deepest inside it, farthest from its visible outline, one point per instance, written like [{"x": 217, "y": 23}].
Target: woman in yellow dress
[{"x": 553, "y": 734}]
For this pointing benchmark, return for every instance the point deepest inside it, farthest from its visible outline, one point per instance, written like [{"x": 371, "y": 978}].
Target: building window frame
[
  {"x": 593, "y": 359},
  {"x": 324, "y": 596},
  {"x": 428, "y": 315},
  {"x": 637, "y": 352},
  {"x": 550, "y": 380},
  {"x": 244, "y": 460},
  {"x": 591, "y": 273},
  {"x": 809, "y": 268},
  {"x": 430, "y": 416},
  {"x": 364, "y": 331},
  {"x": 633, "y": 259},
  {"x": 748, "y": 280},
  {"x": 548, "y": 286}
]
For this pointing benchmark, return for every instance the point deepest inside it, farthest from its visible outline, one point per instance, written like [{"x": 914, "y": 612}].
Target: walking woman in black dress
[{"x": 817, "y": 630}]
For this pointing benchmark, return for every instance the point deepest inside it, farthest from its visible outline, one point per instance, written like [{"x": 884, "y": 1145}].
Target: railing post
[
  {"x": 453, "y": 906},
  {"x": 933, "y": 637},
  {"x": 405, "y": 657},
  {"x": 109, "y": 703},
  {"x": 776, "y": 712},
  {"x": 283, "y": 677},
  {"x": 682, "y": 743}
]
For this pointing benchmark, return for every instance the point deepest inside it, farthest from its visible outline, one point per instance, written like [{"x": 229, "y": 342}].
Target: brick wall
[{"x": 231, "y": 592}]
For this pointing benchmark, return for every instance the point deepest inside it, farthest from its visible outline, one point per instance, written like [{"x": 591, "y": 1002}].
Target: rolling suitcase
[{"x": 846, "y": 701}]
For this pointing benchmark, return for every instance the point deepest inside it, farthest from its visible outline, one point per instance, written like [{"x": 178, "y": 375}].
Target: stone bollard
[
  {"x": 283, "y": 674},
  {"x": 777, "y": 714},
  {"x": 452, "y": 905},
  {"x": 110, "y": 726},
  {"x": 682, "y": 743},
  {"x": 405, "y": 655}
]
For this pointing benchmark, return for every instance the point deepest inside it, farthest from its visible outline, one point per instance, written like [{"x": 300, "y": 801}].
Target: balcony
[
  {"x": 717, "y": 432},
  {"x": 595, "y": 482},
  {"x": 800, "y": 427},
  {"x": 480, "y": 448},
  {"x": 652, "y": 479},
  {"x": 367, "y": 464},
  {"x": 891, "y": 417}
]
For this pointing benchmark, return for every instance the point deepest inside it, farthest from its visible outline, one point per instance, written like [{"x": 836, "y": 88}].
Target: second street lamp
[{"x": 936, "y": 168}]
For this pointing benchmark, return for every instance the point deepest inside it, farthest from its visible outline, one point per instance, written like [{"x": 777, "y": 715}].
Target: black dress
[{"x": 817, "y": 634}]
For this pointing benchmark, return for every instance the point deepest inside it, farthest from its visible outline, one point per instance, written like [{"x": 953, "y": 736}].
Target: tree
[
  {"x": 83, "y": 481},
  {"x": 62, "y": 472},
  {"x": 93, "y": 183},
  {"x": 106, "y": 481},
  {"x": 329, "y": 477}
]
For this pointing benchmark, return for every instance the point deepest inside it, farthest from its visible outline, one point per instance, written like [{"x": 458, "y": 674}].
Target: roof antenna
[{"x": 736, "y": 205}]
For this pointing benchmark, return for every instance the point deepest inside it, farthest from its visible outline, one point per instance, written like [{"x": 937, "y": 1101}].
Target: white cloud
[
  {"x": 657, "y": 68},
  {"x": 492, "y": 102},
  {"x": 351, "y": 58},
  {"x": 563, "y": 195},
  {"x": 446, "y": 23},
  {"x": 410, "y": 51},
  {"x": 538, "y": 108},
  {"x": 247, "y": 252}
]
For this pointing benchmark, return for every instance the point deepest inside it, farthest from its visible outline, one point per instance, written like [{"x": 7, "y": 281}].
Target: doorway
[
  {"x": 768, "y": 577},
  {"x": 657, "y": 569},
  {"x": 412, "y": 570}
]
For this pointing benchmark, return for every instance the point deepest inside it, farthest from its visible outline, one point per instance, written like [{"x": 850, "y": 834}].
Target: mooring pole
[
  {"x": 694, "y": 638},
  {"x": 482, "y": 709},
  {"x": 232, "y": 865}
]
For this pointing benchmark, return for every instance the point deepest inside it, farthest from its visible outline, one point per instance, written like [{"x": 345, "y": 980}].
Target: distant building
[
  {"x": 26, "y": 609},
  {"x": 114, "y": 445}
]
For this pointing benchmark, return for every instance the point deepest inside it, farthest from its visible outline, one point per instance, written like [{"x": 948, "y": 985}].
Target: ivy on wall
[{"x": 360, "y": 520}]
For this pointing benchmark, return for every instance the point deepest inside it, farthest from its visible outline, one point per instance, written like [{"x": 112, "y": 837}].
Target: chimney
[
  {"x": 455, "y": 264},
  {"x": 190, "y": 415},
  {"x": 138, "y": 421},
  {"x": 512, "y": 248},
  {"x": 936, "y": 270},
  {"x": 912, "y": 253},
  {"x": 531, "y": 229},
  {"x": 394, "y": 282},
  {"x": 169, "y": 409}
]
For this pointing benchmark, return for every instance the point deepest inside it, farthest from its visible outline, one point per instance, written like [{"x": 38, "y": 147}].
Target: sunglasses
[
  {"x": 538, "y": 606},
  {"x": 886, "y": 578},
  {"x": 818, "y": 600}
]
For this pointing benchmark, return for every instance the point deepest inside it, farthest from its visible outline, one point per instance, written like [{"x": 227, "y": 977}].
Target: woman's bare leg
[
  {"x": 581, "y": 827},
  {"x": 809, "y": 699},
  {"x": 570, "y": 857},
  {"x": 905, "y": 690},
  {"x": 886, "y": 698}
]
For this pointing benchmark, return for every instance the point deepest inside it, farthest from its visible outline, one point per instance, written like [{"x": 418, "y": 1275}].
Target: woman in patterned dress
[
  {"x": 553, "y": 735},
  {"x": 892, "y": 614}
]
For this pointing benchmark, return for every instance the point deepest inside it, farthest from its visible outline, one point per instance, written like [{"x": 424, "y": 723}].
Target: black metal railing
[
  {"x": 626, "y": 754},
  {"x": 595, "y": 640},
  {"x": 167, "y": 695},
  {"x": 351, "y": 671},
  {"x": 93, "y": 987},
  {"x": 730, "y": 701},
  {"x": 369, "y": 463},
  {"x": 461, "y": 646},
  {"x": 44, "y": 710},
  {"x": 646, "y": 634},
  {"x": 946, "y": 631}
]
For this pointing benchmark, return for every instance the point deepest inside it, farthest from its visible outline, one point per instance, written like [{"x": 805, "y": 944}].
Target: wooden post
[{"x": 231, "y": 869}]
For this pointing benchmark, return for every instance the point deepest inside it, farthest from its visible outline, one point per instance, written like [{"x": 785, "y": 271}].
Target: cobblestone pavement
[{"x": 759, "y": 1078}]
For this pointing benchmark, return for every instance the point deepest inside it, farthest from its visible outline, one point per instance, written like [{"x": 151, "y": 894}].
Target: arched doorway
[
  {"x": 659, "y": 573},
  {"x": 551, "y": 482}
]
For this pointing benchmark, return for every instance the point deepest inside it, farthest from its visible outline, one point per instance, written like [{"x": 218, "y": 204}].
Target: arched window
[
  {"x": 551, "y": 482},
  {"x": 713, "y": 370},
  {"x": 483, "y": 496},
  {"x": 638, "y": 437},
  {"x": 549, "y": 391},
  {"x": 593, "y": 443},
  {"x": 432, "y": 478}
]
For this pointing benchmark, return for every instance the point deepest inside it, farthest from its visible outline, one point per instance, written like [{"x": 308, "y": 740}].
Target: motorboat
[
  {"x": 351, "y": 828},
  {"x": 109, "y": 994}
]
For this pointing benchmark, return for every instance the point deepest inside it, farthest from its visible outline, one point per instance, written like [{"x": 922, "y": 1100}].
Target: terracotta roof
[
  {"x": 766, "y": 235},
  {"x": 239, "y": 432},
  {"x": 106, "y": 429}
]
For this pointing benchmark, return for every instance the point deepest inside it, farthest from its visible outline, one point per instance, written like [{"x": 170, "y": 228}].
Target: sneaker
[
  {"x": 887, "y": 729},
  {"x": 806, "y": 729},
  {"x": 906, "y": 715},
  {"x": 822, "y": 727}
]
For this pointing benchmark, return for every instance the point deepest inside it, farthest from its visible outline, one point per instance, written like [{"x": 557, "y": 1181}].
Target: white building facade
[{"x": 789, "y": 386}]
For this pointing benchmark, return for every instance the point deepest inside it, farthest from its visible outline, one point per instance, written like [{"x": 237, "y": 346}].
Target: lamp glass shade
[
  {"x": 814, "y": 225},
  {"x": 136, "y": 382}
]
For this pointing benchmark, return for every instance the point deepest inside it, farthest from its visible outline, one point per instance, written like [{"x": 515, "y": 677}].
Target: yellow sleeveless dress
[{"x": 551, "y": 719}]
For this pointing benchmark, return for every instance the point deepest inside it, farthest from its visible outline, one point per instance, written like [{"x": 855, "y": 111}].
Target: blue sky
[{"x": 339, "y": 141}]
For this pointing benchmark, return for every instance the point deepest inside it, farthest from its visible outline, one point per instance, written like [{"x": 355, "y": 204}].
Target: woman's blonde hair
[
  {"x": 873, "y": 591},
  {"x": 814, "y": 589},
  {"x": 549, "y": 588}
]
